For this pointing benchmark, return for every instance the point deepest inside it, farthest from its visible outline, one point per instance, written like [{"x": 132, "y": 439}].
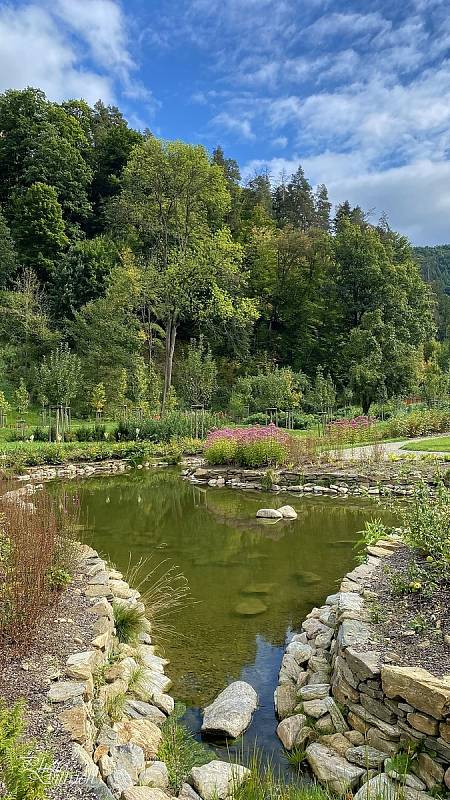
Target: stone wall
[
  {"x": 351, "y": 712},
  {"x": 111, "y": 681},
  {"x": 375, "y": 481}
]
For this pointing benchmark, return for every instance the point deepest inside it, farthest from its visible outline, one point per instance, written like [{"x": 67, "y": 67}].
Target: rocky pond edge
[{"x": 351, "y": 711}]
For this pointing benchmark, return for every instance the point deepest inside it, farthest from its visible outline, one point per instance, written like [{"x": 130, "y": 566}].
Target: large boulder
[
  {"x": 378, "y": 787},
  {"x": 285, "y": 698},
  {"x": 231, "y": 712},
  {"x": 218, "y": 779},
  {"x": 331, "y": 769}
]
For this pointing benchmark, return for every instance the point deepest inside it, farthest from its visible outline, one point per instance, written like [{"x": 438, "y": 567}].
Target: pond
[{"x": 235, "y": 565}]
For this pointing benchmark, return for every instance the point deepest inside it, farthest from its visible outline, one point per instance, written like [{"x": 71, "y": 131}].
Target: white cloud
[
  {"x": 34, "y": 52},
  {"x": 69, "y": 48},
  {"x": 398, "y": 191},
  {"x": 226, "y": 122}
]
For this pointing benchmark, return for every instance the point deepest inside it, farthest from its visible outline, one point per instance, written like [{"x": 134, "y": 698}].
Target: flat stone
[
  {"x": 269, "y": 513},
  {"x": 336, "y": 715},
  {"x": 287, "y": 512},
  {"x": 419, "y": 688},
  {"x": 129, "y": 757},
  {"x": 354, "y": 737},
  {"x": 331, "y": 769},
  {"x": 218, "y": 779},
  {"x": 250, "y": 607},
  {"x": 148, "y": 658},
  {"x": 65, "y": 690},
  {"x": 156, "y": 775},
  {"x": 317, "y": 692},
  {"x": 300, "y": 652},
  {"x": 423, "y": 723},
  {"x": 429, "y": 770},
  {"x": 152, "y": 684},
  {"x": 137, "y": 709},
  {"x": 364, "y": 665},
  {"x": 144, "y": 793},
  {"x": 141, "y": 732},
  {"x": 376, "y": 740},
  {"x": 289, "y": 728},
  {"x": 365, "y": 756},
  {"x": 231, "y": 712},
  {"x": 315, "y": 708},
  {"x": 444, "y": 731},
  {"x": 75, "y": 721},
  {"x": 285, "y": 697},
  {"x": 389, "y": 731},
  {"x": 353, "y": 632},
  {"x": 345, "y": 601},
  {"x": 337, "y": 742},
  {"x": 378, "y": 709}
]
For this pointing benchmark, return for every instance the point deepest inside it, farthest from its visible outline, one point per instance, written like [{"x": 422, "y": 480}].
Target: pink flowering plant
[{"x": 257, "y": 446}]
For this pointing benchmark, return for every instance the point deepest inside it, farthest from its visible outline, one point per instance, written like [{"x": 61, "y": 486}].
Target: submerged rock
[
  {"x": 250, "y": 607},
  {"x": 231, "y": 712},
  {"x": 258, "y": 588}
]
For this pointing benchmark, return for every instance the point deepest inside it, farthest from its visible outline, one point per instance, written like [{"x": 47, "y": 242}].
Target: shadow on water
[{"x": 252, "y": 582}]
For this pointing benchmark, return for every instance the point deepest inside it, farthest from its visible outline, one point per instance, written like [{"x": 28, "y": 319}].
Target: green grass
[
  {"x": 440, "y": 444},
  {"x": 179, "y": 750},
  {"x": 129, "y": 622}
]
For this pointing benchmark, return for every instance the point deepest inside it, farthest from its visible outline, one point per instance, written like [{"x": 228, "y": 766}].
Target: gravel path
[{"x": 364, "y": 452}]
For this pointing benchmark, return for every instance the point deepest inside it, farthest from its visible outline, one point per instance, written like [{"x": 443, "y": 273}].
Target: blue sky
[{"x": 358, "y": 93}]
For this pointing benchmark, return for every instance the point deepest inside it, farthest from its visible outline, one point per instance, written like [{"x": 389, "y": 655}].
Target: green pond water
[{"x": 252, "y": 581}]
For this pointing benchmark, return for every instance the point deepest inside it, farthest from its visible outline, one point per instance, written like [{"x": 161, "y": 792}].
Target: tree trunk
[{"x": 171, "y": 335}]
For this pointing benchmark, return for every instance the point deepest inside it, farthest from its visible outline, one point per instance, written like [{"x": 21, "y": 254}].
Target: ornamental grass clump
[
  {"x": 37, "y": 557},
  {"x": 257, "y": 446}
]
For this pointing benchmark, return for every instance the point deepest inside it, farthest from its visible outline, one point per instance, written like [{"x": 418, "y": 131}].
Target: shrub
[
  {"x": 418, "y": 423},
  {"x": 426, "y": 526},
  {"x": 221, "y": 451},
  {"x": 154, "y": 429},
  {"x": 25, "y": 772},
  {"x": 179, "y": 750},
  {"x": 129, "y": 622},
  {"x": 249, "y": 447},
  {"x": 37, "y": 552}
]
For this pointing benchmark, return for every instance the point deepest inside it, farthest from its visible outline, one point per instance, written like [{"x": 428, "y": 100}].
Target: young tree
[
  {"x": 170, "y": 193},
  {"x": 98, "y": 399},
  {"x": 22, "y": 397},
  {"x": 59, "y": 375},
  {"x": 197, "y": 374}
]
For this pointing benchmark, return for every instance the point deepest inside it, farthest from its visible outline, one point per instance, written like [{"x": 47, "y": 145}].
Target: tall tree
[
  {"x": 39, "y": 229},
  {"x": 170, "y": 192}
]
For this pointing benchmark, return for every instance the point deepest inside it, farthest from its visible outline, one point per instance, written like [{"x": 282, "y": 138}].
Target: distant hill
[{"x": 435, "y": 264}]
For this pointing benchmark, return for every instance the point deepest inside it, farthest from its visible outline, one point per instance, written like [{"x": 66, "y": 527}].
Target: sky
[{"x": 356, "y": 92}]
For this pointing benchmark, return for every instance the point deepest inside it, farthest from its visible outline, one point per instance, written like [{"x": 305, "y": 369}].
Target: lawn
[{"x": 440, "y": 444}]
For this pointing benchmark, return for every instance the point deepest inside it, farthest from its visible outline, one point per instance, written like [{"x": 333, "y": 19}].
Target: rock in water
[
  {"x": 231, "y": 712},
  {"x": 288, "y": 512},
  {"x": 269, "y": 513},
  {"x": 250, "y": 607}
]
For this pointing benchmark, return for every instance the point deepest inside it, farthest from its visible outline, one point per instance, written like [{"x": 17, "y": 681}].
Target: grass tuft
[
  {"x": 129, "y": 622},
  {"x": 179, "y": 750}
]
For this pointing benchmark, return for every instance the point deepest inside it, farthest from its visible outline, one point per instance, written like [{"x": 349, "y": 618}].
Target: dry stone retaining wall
[
  {"x": 331, "y": 667},
  {"x": 338, "y": 483}
]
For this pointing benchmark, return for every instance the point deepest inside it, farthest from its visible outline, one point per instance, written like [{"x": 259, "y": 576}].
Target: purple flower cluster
[
  {"x": 256, "y": 433},
  {"x": 357, "y": 422}
]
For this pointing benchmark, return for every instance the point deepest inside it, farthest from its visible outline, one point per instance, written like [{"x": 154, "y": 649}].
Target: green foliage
[
  {"x": 114, "y": 706},
  {"x": 22, "y": 397},
  {"x": 426, "y": 527},
  {"x": 221, "y": 451},
  {"x": 58, "y": 578},
  {"x": 197, "y": 374},
  {"x": 59, "y": 375},
  {"x": 129, "y": 622},
  {"x": 179, "y": 750},
  {"x": 39, "y": 228},
  {"x": 279, "y": 388},
  {"x": 4, "y": 405},
  {"x": 98, "y": 397},
  {"x": 26, "y": 772}
]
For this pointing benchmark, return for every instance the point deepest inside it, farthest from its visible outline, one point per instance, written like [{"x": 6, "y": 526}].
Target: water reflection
[{"x": 252, "y": 582}]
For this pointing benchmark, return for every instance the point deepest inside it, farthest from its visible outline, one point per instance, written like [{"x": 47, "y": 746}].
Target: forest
[{"x": 142, "y": 271}]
